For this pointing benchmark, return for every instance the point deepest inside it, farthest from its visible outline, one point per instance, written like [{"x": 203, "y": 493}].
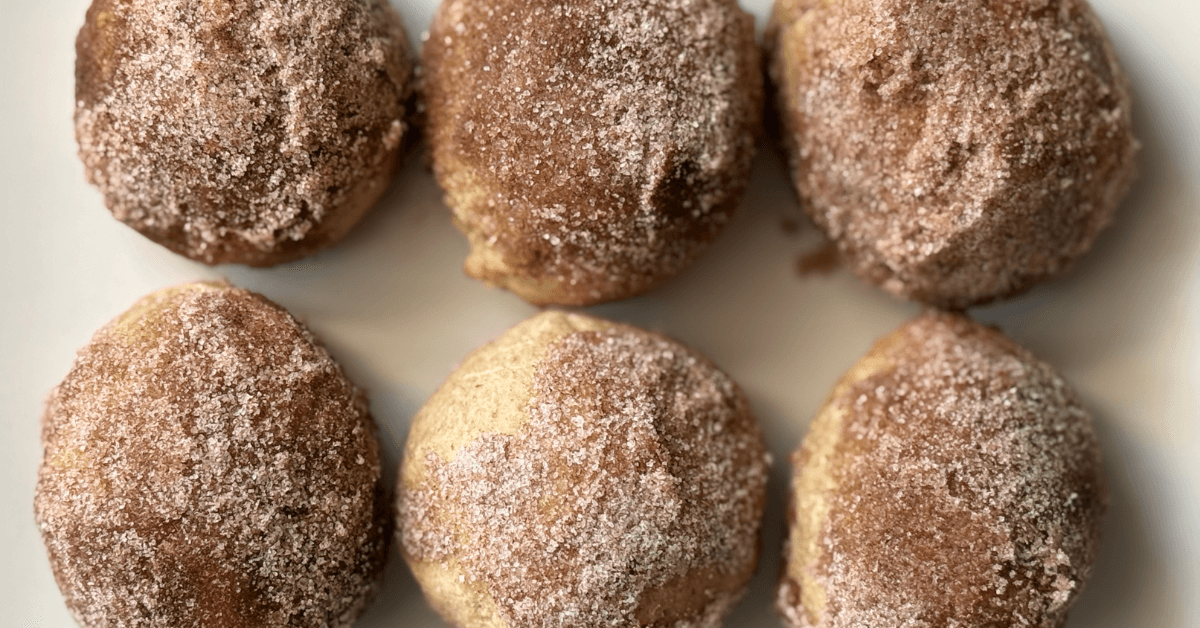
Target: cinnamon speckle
[{"x": 820, "y": 261}]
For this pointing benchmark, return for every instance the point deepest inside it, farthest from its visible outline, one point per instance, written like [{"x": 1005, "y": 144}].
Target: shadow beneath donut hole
[
  {"x": 399, "y": 594},
  {"x": 393, "y": 407},
  {"x": 783, "y": 427},
  {"x": 1130, "y": 581},
  {"x": 400, "y": 601},
  {"x": 758, "y": 607}
]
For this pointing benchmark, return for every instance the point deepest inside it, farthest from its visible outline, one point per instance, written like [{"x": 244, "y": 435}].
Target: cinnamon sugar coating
[
  {"x": 578, "y": 472},
  {"x": 951, "y": 479},
  {"x": 251, "y": 132},
  {"x": 206, "y": 463},
  {"x": 956, "y": 152},
  {"x": 590, "y": 150}
]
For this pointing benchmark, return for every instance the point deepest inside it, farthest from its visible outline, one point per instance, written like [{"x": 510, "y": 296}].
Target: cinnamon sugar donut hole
[
  {"x": 951, "y": 479},
  {"x": 253, "y": 132},
  {"x": 590, "y": 150},
  {"x": 956, "y": 152},
  {"x": 206, "y": 463},
  {"x": 578, "y": 472}
]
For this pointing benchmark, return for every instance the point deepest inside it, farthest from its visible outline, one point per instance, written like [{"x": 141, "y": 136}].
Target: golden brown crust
[
  {"x": 590, "y": 150},
  {"x": 951, "y": 479},
  {"x": 206, "y": 463},
  {"x": 626, "y": 490},
  {"x": 959, "y": 152},
  {"x": 252, "y": 132}
]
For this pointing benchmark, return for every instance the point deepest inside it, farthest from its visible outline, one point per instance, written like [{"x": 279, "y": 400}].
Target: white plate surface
[{"x": 394, "y": 307}]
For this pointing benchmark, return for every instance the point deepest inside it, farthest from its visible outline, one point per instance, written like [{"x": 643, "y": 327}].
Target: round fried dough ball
[
  {"x": 956, "y": 152},
  {"x": 951, "y": 479},
  {"x": 590, "y": 150},
  {"x": 578, "y": 472},
  {"x": 253, "y": 132},
  {"x": 206, "y": 463}
]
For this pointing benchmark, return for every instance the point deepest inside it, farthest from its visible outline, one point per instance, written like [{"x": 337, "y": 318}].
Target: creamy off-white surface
[{"x": 392, "y": 304}]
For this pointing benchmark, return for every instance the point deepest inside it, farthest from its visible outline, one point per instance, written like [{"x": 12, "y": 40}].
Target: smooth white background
[{"x": 393, "y": 306}]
